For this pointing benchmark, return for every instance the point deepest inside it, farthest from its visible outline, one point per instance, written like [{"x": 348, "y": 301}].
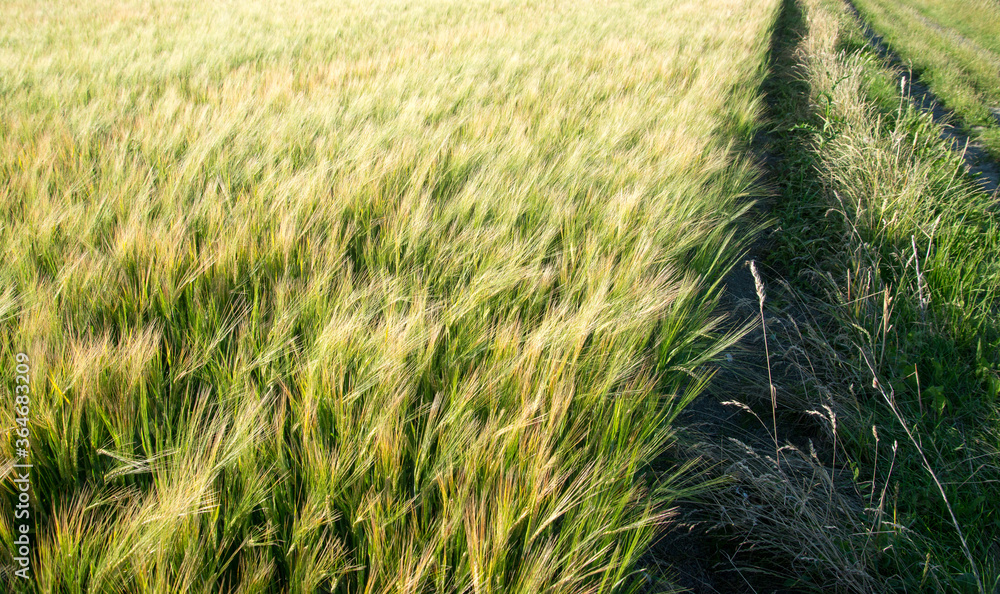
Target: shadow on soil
[{"x": 701, "y": 557}]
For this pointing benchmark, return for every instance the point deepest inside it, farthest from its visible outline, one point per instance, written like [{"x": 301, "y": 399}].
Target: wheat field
[{"x": 382, "y": 296}]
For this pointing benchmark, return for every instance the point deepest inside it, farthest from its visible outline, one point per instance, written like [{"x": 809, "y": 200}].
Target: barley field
[{"x": 343, "y": 296}]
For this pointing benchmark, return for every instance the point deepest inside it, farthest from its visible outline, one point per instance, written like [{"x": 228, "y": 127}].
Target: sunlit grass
[
  {"x": 887, "y": 331},
  {"x": 955, "y": 47}
]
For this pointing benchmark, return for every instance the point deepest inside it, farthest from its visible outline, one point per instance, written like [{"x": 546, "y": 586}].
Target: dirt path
[
  {"x": 704, "y": 560},
  {"x": 977, "y": 159}
]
